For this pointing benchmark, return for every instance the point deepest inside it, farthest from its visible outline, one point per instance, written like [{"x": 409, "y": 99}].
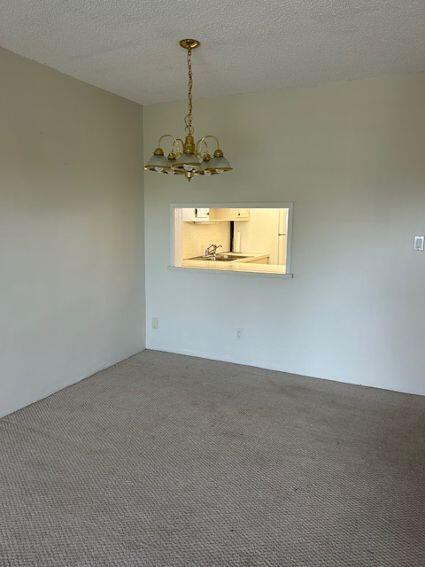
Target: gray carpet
[{"x": 167, "y": 460}]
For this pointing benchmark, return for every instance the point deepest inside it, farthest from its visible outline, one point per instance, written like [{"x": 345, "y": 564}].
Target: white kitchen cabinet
[
  {"x": 201, "y": 214},
  {"x": 229, "y": 214}
]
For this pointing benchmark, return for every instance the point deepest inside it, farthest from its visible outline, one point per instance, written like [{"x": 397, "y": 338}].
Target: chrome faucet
[{"x": 211, "y": 251}]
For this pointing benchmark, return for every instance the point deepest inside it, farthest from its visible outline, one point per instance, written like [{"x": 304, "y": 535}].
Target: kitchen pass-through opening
[{"x": 252, "y": 239}]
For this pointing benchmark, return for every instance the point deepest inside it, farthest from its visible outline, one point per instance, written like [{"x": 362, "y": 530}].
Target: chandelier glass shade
[{"x": 187, "y": 157}]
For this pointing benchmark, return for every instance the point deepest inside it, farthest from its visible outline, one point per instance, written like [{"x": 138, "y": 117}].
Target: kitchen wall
[
  {"x": 71, "y": 231},
  {"x": 260, "y": 233},
  {"x": 351, "y": 158},
  {"x": 197, "y": 236}
]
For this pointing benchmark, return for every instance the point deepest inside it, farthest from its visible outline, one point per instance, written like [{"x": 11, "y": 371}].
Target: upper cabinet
[
  {"x": 228, "y": 214},
  {"x": 215, "y": 215},
  {"x": 196, "y": 215}
]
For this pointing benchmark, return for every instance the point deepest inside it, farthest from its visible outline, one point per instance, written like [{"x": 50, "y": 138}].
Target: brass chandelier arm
[
  {"x": 198, "y": 144},
  {"x": 214, "y": 138},
  {"x": 166, "y": 136},
  {"x": 203, "y": 140},
  {"x": 206, "y": 156},
  {"x": 175, "y": 150}
]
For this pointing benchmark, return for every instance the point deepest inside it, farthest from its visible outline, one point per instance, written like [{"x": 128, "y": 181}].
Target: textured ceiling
[{"x": 129, "y": 47}]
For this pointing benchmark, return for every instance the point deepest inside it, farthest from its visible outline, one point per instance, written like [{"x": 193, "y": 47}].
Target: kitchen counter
[
  {"x": 252, "y": 263},
  {"x": 249, "y": 257}
]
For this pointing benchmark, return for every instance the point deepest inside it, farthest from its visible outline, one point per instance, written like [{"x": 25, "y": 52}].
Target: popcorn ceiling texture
[
  {"x": 171, "y": 461},
  {"x": 130, "y": 47}
]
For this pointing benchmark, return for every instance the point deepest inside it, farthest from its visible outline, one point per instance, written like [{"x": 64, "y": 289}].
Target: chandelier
[{"x": 187, "y": 157}]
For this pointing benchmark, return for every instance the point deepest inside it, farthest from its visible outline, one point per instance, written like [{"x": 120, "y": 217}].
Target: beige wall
[
  {"x": 351, "y": 158},
  {"x": 71, "y": 230}
]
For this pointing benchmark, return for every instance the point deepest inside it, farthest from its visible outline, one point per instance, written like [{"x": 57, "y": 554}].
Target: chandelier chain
[{"x": 188, "y": 117}]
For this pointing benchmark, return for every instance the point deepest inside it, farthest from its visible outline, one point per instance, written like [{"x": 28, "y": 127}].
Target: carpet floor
[{"x": 169, "y": 460}]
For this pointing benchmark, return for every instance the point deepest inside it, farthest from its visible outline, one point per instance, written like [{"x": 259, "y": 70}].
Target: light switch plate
[{"x": 418, "y": 243}]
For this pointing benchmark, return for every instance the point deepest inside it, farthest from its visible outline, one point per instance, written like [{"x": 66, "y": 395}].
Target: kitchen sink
[
  {"x": 216, "y": 259},
  {"x": 220, "y": 258}
]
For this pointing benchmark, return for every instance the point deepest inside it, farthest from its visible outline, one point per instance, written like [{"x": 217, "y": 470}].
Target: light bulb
[
  {"x": 159, "y": 169},
  {"x": 188, "y": 167}
]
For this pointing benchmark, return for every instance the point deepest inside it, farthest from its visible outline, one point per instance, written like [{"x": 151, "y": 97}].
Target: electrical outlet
[
  {"x": 155, "y": 322},
  {"x": 239, "y": 333},
  {"x": 418, "y": 244}
]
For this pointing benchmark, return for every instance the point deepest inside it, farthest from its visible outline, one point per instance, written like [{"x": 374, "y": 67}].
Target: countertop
[{"x": 241, "y": 265}]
